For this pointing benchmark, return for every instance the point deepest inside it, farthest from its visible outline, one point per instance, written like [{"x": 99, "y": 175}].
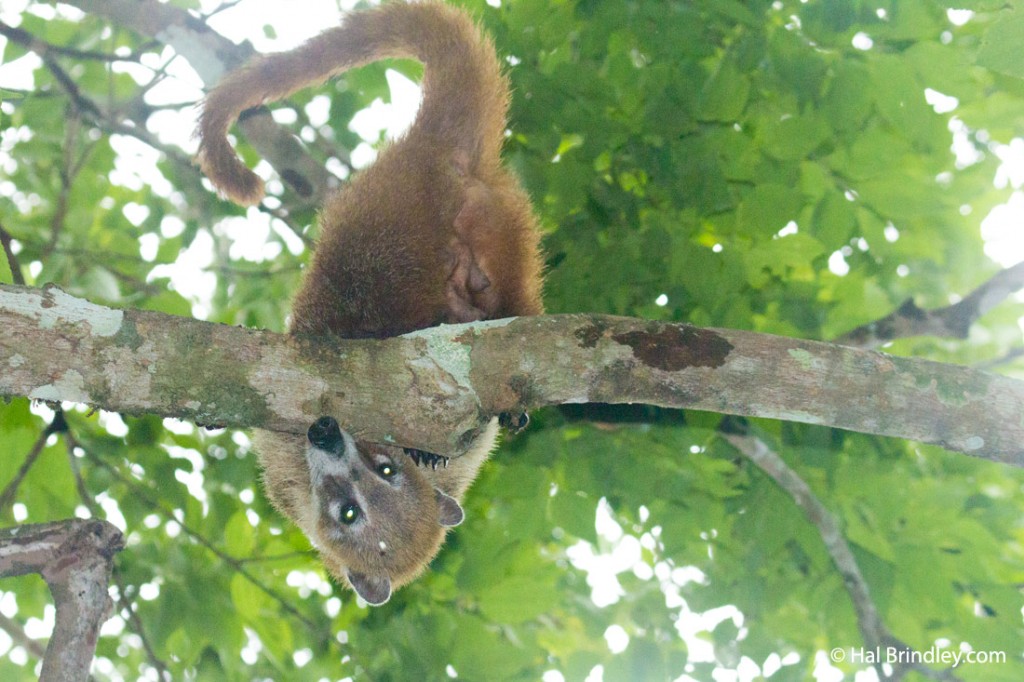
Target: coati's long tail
[{"x": 465, "y": 95}]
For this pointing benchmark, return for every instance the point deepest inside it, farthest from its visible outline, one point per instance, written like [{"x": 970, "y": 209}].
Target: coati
[{"x": 435, "y": 231}]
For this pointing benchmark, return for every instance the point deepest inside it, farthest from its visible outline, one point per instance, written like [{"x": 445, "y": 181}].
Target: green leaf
[
  {"x": 574, "y": 512},
  {"x": 999, "y": 47},
  {"x": 899, "y": 97},
  {"x": 239, "y": 536},
  {"x": 862, "y": 528},
  {"x": 835, "y": 220},
  {"x": 724, "y": 95},
  {"x": 792, "y": 138},
  {"x": 518, "y": 598},
  {"x": 642, "y": 660},
  {"x": 247, "y": 598},
  {"x": 849, "y": 99},
  {"x": 767, "y": 209}
]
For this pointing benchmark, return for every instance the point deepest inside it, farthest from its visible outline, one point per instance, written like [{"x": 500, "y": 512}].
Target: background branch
[
  {"x": 212, "y": 55},
  {"x": 951, "y": 321},
  {"x": 869, "y": 622},
  {"x": 75, "y": 559}
]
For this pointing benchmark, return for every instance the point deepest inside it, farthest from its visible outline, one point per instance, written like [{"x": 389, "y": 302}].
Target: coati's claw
[
  {"x": 513, "y": 423},
  {"x": 422, "y": 458}
]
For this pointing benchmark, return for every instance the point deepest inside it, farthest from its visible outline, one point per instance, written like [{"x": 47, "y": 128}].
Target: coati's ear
[
  {"x": 451, "y": 513},
  {"x": 375, "y": 590}
]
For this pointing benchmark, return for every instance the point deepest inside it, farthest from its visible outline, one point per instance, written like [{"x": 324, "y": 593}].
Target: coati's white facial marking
[
  {"x": 331, "y": 455},
  {"x": 331, "y": 451}
]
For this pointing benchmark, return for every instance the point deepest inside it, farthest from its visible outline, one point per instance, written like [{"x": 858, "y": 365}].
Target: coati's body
[{"x": 436, "y": 230}]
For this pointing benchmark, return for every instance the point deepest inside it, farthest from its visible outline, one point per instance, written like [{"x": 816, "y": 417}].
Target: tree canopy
[{"x": 795, "y": 168}]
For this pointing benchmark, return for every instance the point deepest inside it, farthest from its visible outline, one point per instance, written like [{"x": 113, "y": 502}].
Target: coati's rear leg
[
  {"x": 466, "y": 280},
  {"x": 470, "y": 294},
  {"x": 469, "y": 288}
]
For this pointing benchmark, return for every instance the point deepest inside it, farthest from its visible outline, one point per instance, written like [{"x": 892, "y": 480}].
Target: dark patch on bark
[
  {"x": 676, "y": 347},
  {"x": 522, "y": 385},
  {"x": 589, "y": 335},
  {"x": 128, "y": 334}
]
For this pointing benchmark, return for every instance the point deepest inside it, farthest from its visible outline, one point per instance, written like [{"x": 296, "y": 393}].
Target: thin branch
[
  {"x": 70, "y": 87},
  {"x": 12, "y": 259},
  {"x": 58, "y": 425},
  {"x": 308, "y": 177},
  {"x": 70, "y": 166},
  {"x": 42, "y": 47},
  {"x": 66, "y": 174},
  {"x": 234, "y": 269},
  {"x": 87, "y": 499},
  {"x": 212, "y": 55},
  {"x": 271, "y": 558},
  {"x": 1004, "y": 359},
  {"x": 114, "y": 122},
  {"x": 134, "y": 622},
  {"x": 16, "y": 631},
  {"x": 326, "y": 146},
  {"x": 230, "y": 4},
  {"x": 951, "y": 321}
]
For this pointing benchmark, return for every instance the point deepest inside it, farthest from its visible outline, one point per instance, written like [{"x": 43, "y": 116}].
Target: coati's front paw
[{"x": 512, "y": 422}]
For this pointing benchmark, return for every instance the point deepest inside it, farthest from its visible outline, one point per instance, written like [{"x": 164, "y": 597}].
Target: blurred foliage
[{"x": 773, "y": 166}]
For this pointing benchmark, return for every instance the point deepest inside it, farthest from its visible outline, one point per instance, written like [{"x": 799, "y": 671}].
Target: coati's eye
[
  {"x": 386, "y": 470},
  {"x": 349, "y": 514}
]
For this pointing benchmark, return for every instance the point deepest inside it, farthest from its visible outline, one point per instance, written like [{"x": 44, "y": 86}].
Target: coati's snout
[{"x": 325, "y": 434}]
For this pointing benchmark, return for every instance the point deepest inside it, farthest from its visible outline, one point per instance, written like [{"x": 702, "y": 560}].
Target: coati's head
[{"x": 375, "y": 517}]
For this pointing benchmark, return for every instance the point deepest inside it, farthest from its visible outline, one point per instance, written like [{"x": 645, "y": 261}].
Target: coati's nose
[{"x": 325, "y": 434}]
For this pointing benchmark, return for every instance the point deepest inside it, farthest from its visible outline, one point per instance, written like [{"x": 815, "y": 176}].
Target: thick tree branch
[
  {"x": 431, "y": 389},
  {"x": 75, "y": 558}
]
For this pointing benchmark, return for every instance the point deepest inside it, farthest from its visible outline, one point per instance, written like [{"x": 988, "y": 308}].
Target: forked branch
[{"x": 75, "y": 557}]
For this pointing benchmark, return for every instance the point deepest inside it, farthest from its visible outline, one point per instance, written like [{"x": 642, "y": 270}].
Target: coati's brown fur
[{"x": 435, "y": 231}]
